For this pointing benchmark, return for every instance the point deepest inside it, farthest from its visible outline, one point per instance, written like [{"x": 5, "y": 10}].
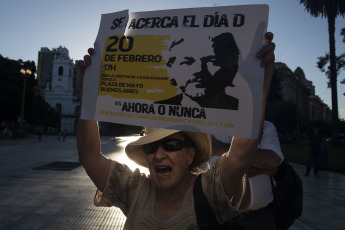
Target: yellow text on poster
[{"x": 133, "y": 68}]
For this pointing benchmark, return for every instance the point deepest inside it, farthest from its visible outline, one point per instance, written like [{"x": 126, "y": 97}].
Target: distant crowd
[{"x": 11, "y": 131}]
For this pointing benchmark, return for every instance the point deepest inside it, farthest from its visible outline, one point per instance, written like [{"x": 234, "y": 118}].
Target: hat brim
[{"x": 135, "y": 152}]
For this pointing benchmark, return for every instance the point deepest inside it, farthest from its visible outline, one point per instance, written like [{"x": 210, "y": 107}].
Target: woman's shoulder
[{"x": 121, "y": 175}]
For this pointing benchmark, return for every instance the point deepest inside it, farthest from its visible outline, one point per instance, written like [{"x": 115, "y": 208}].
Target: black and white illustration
[{"x": 205, "y": 88}]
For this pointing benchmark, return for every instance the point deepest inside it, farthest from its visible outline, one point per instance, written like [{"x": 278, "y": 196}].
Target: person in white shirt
[{"x": 263, "y": 165}]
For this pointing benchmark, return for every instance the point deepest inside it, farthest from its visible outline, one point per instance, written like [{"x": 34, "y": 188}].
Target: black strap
[
  {"x": 272, "y": 184},
  {"x": 204, "y": 214}
]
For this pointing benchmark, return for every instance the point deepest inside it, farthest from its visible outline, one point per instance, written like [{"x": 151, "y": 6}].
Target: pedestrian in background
[
  {"x": 315, "y": 141},
  {"x": 64, "y": 135}
]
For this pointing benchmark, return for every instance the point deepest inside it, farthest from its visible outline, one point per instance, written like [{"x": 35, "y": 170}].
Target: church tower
[
  {"x": 62, "y": 77},
  {"x": 59, "y": 91}
]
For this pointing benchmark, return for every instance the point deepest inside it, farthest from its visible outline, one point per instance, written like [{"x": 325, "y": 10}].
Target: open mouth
[{"x": 163, "y": 170}]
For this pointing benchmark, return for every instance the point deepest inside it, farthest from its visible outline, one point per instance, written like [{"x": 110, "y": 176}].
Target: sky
[{"x": 26, "y": 26}]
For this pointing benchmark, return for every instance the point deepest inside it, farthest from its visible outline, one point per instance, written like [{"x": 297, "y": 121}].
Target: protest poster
[{"x": 190, "y": 69}]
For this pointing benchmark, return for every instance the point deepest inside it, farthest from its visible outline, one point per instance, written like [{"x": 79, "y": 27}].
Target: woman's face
[{"x": 170, "y": 169}]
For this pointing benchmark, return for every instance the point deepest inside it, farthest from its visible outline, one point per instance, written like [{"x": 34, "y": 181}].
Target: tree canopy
[
  {"x": 324, "y": 8},
  {"x": 36, "y": 110}
]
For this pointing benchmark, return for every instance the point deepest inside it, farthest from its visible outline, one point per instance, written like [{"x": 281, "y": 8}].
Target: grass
[{"x": 298, "y": 153}]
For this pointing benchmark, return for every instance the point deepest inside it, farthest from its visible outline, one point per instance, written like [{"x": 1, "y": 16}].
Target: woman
[{"x": 164, "y": 199}]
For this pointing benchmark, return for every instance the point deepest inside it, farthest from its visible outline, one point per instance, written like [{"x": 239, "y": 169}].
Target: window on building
[
  {"x": 58, "y": 108},
  {"x": 312, "y": 112},
  {"x": 77, "y": 110},
  {"x": 60, "y": 71}
]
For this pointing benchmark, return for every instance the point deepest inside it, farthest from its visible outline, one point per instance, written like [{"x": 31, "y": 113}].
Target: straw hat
[{"x": 203, "y": 148}]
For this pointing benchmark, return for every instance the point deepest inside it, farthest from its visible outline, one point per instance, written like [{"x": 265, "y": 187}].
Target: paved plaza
[{"x": 35, "y": 195}]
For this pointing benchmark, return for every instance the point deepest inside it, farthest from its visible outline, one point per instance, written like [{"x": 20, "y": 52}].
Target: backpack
[
  {"x": 205, "y": 217},
  {"x": 287, "y": 196}
]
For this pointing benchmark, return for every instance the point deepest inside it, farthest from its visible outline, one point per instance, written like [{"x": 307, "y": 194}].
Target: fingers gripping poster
[{"x": 189, "y": 69}]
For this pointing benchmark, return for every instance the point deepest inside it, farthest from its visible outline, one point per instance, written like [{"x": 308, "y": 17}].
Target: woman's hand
[
  {"x": 266, "y": 54},
  {"x": 82, "y": 67}
]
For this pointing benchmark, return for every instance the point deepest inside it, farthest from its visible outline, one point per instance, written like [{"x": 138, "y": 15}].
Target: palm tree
[
  {"x": 329, "y": 9},
  {"x": 339, "y": 61}
]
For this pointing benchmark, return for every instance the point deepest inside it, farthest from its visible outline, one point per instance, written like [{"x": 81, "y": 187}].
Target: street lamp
[
  {"x": 25, "y": 72},
  {"x": 297, "y": 115}
]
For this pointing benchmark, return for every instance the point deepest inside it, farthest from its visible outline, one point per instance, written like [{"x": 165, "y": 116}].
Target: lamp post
[
  {"x": 25, "y": 73},
  {"x": 297, "y": 115}
]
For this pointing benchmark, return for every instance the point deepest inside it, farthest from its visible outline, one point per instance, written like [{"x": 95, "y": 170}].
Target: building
[
  {"x": 297, "y": 89},
  {"x": 58, "y": 85},
  {"x": 44, "y": 68}
]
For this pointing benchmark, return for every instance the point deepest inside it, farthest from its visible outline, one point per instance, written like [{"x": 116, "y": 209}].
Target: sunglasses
[{"x": 169, "y": 145}]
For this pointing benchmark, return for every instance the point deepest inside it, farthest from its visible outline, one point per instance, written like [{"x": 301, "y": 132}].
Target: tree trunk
[{"x": 333, "y": 76}]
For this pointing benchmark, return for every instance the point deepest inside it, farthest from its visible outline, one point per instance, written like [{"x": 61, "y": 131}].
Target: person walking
[
  {"x": 315, "y": 141},
  {"x": 64, "y": 135}
]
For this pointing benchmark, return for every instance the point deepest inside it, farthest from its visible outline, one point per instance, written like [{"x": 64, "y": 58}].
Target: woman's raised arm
[
  {"x": 95, "y": 163},
  {"x": 236, "y": 161}
]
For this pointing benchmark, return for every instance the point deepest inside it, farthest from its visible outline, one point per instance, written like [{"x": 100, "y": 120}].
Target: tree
[
  {"x": 278, "y": 111},
  {"x": 282, "y": 114},
  {"x": 37, "y": 111},
  {"x": 339, "y": 61},
  {"x": 343, "y": 33},
  {"x": 329, "y": 9},
  {"x": 275, "y": 93}
]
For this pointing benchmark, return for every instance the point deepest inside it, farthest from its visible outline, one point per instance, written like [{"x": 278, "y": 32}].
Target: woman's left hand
[{"x": 266, "y": 54}]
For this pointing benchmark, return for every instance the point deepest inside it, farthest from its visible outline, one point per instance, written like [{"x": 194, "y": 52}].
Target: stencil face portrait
[
  {"x": 190, "y": 65},
  {"x": 204, "y": 75},
  {"x": 226, "y": 55}
]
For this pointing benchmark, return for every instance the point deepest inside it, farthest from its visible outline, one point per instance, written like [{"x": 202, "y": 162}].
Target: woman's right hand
[{"x": 82, "y": 67}]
